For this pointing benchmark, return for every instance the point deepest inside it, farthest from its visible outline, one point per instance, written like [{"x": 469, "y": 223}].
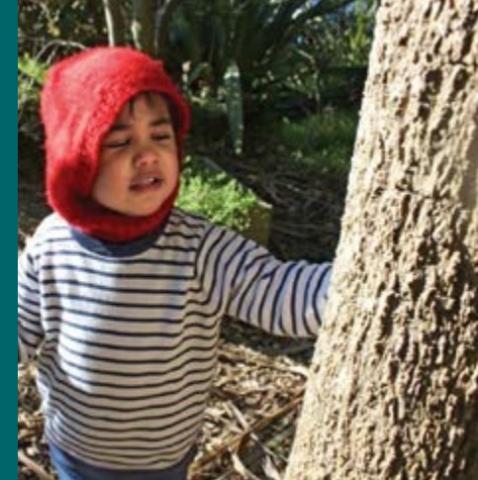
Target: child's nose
[{"x": 144, "y": 157}]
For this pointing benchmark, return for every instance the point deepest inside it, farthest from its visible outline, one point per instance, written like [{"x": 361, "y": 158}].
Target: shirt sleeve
[
  {"x": 246, "y": 282},
  {"x": 30, "y": 331}
]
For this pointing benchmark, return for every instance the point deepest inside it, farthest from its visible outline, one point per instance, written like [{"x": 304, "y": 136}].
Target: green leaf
[
  {"x": 32, "y": 68},
  {"x": 206, "y": 190}
]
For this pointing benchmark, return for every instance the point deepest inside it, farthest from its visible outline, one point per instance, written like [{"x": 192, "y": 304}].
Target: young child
[{"x": 121, "y": 295}]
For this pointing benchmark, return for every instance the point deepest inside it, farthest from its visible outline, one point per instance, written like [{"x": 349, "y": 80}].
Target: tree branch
[
  {"x": 142, "y": 26},
  {"x": 114, "y": 22}
]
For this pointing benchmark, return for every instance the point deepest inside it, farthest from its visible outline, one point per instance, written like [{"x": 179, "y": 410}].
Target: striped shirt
[{"x": 127, "y": 335}]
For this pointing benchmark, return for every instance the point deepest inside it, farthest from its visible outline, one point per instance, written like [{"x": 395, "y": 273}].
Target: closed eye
[
  {"x": 117, "y": 143},
  {"x": 121, "y": 143},
  {"x": 161, "y": 137}
]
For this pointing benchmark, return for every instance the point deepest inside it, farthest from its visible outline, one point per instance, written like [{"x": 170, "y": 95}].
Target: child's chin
[
  {"x": 139, "y": 209},
  {"x": 142, "y": 212}
]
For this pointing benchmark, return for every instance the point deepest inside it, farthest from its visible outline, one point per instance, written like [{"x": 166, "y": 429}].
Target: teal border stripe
[{"x": 8, "y": 239}]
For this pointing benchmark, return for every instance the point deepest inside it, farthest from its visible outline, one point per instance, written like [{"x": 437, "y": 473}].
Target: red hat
[{"x": 81, "y": 98}]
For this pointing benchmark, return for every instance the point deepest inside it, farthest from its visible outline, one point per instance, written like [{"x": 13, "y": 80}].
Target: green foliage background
[{"x": 274, "y": 86}]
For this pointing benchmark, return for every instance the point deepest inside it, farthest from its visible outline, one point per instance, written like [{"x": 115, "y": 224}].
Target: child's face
[{"x": 138, "y": 164}]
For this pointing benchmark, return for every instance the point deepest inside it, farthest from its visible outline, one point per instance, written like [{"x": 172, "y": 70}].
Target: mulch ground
[{"x": 256, "y": 397}]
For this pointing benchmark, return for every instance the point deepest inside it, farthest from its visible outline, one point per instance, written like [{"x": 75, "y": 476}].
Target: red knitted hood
[{"x": 81, "y": 99}]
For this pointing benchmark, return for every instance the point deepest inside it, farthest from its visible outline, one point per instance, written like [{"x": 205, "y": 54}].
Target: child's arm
[
  {"x": 30, "y": 331},
  {"x": 245, "y": 281}
]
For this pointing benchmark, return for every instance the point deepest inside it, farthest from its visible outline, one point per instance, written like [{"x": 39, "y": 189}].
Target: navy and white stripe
[{"x": 127, "y": 336}]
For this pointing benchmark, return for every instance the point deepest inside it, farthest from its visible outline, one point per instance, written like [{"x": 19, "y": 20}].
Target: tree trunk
[
  {"x": 393, "y": 388},
  {"x": 142, "y": 26},
  {"x": 114, "y": 22},
  {"x": 164, "y": 15}
]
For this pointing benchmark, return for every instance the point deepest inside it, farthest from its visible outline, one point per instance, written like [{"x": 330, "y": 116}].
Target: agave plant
[{"x": 237, "y": 48}]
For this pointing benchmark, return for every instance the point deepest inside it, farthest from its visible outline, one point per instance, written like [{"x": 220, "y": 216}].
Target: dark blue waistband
[{"x": 70, "y": 467}]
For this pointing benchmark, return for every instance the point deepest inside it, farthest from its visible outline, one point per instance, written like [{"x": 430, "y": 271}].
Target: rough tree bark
[{"x": 393, "y": 389}]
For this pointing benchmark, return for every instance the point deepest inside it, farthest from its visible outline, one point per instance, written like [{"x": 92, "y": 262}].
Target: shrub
[
  {"x": 30, "y": 79},
  {"x": 208, "y": 191},
  {"x": 320, "y": 142}
]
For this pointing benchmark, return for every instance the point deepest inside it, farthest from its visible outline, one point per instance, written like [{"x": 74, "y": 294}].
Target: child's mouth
[{"x": 145, "y": 184}]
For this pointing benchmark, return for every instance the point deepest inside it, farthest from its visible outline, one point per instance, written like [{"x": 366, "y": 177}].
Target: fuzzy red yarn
[{"x": 81, "y": 99}]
